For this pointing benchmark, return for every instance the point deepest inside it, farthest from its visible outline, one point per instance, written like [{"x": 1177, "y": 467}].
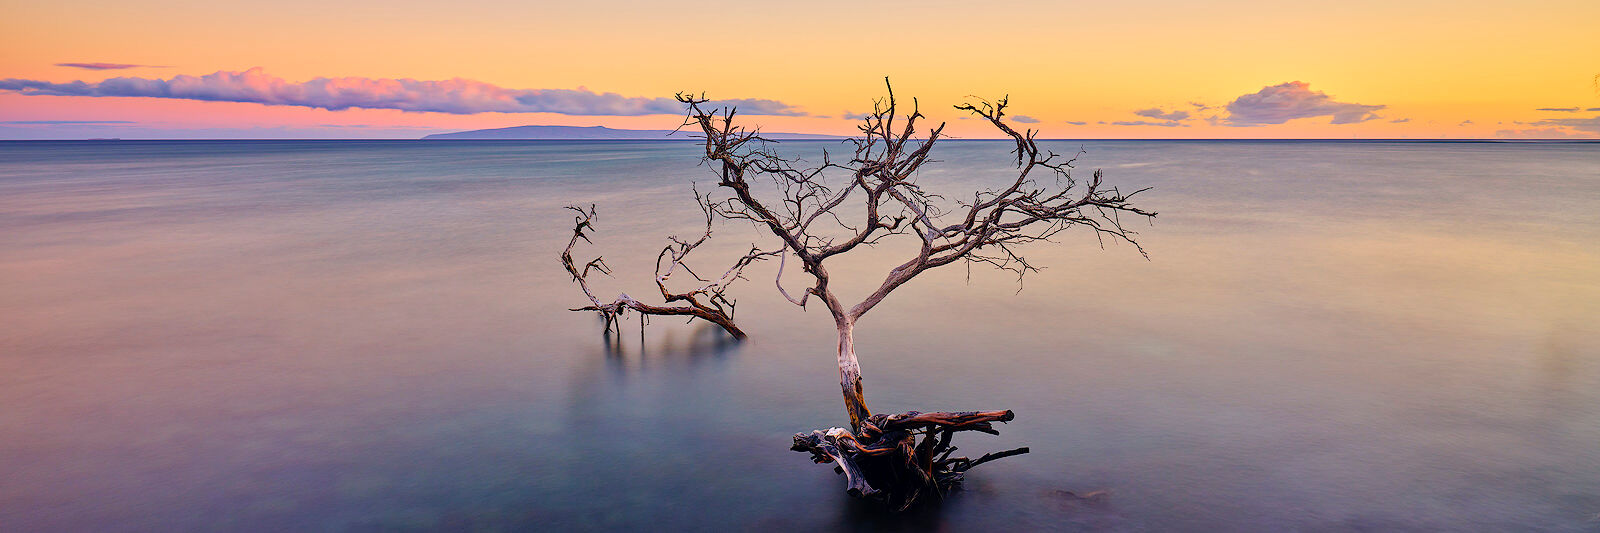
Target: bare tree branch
[
  {"x": 874, "y": 198},
  {"x": 883, "y": 167},
  {"x": 707, "y": 302}
]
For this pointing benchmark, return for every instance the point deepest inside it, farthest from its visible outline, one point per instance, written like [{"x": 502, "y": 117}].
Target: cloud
[
  {"x": 456, "y": 96},
  {"x": 1400, "y": 121},
  {"x": 1025, "y": 119},
  {"x": 1284, "y": 102},
  {"x": 389, "y": 126},
  {"x": 106, "y": 66},
  {"x": 1167, "y": 124},
  {"x": 1591, "y": 124},
  {"x": 1538, "y": 133},
  {"x": 1199, "y": 106},
  {"x": 1465, "y": 123},
  {"x": 66, "y": 122},
  {"x": 1167, "y": 119},
  {"x": 1593, "y": 109},
  {"x": 1561, "y": 109},
  {"x": 857, "y": 116},
  {"x": 272, "y": 132},
  {"x": 1076, "y": 123},
  {"x": 1157, "y": 113}
]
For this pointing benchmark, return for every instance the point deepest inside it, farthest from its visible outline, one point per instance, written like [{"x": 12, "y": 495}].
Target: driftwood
[{"x": 899, "y": 459}]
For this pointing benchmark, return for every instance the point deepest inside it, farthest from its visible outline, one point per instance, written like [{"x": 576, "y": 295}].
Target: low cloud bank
[
  {"x": 1167, "y": 124},
  {"x": 105, "y": 66},
  {"x": 1537, "y": 133},
  {"x": 65, "y": 122},
  {"x": 1591, "y": 124},
  {"x": 1157, "y": 113},
  {"x": 456, "y": 96}
]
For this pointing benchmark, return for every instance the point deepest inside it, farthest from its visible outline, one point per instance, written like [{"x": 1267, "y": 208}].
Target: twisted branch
[
  {"x": 707, "y": 302},
  {"x": 882, "y": 172}
]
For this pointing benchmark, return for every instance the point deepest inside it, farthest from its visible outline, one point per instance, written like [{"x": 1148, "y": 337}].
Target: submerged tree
[
  {"x": 706, "y": 302},
  {"x": 897, "y": 458}
]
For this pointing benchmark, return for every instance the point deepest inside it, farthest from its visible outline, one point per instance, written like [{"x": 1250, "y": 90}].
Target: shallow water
[{"x": 373, "y": 336}]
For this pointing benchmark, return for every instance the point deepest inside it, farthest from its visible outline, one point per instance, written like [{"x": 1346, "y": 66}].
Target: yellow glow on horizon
[{"x": 1436, "y": 63}]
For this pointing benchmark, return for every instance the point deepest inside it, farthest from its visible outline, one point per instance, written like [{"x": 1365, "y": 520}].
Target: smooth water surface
[{"x": 332, "y": 336}]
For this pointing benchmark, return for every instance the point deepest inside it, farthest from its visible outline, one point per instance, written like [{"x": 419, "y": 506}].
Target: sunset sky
[{"x": 1136, "y": 69}]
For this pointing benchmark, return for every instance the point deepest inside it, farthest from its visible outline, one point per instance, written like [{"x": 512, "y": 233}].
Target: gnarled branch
[
  {"x": 887, "y": 157},
  {"x": 707, "y": 302}
]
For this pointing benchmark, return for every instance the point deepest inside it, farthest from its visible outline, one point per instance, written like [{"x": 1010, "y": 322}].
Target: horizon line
[{"x": 838, "y": 138}]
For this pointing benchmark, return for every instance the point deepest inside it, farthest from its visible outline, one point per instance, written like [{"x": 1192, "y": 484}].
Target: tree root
[{"x": 902, "y": 459}]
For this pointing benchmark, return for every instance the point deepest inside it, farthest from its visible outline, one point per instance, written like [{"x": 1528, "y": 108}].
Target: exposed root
[{"x": 903, "y": 459}]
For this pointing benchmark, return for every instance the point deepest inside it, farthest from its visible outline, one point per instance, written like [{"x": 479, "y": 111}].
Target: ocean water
[{"x": 337, "y": 336}]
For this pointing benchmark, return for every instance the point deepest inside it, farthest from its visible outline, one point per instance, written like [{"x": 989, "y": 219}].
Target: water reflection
[{"x": 701, "y": 340}]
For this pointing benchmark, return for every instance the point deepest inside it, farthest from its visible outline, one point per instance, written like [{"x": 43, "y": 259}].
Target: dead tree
[
  {"x": 707, "y": 302},
  {"x": 899, "y": 459}
]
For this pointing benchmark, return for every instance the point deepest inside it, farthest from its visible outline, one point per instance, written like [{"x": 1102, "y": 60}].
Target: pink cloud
[
  {"x": 1281, "y": 103},
  {"x": 105, "y": 66},
  {"x": 455, "y": 96},
  {"x": 1157, "y": 113},
  {"x": 1537, "y": 133}
]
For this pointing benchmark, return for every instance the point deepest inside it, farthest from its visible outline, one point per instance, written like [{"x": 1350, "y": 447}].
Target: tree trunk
[
  {"x": 896, "y": 459},
  {"x": 855, "y": 402}
]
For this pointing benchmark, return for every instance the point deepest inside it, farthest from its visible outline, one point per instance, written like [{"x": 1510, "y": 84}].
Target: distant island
[{"x": 594, "y": 133}]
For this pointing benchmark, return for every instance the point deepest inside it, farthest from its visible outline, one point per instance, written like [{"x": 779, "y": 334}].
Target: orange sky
[{"x": 1433, "y": 65}]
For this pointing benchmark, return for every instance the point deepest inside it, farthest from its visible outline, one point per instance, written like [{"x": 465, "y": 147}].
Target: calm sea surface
[{"x": 332, "y": 336}]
